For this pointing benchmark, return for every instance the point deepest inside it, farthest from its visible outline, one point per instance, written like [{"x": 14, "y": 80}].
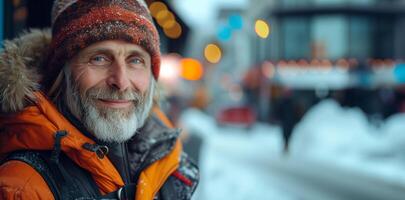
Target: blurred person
[
  {"x": 79, "y": 118},
  {"x": 200, "y": 98}
]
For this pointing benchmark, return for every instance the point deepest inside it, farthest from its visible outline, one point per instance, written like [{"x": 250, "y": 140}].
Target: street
[{"x": 249, "y": 164}]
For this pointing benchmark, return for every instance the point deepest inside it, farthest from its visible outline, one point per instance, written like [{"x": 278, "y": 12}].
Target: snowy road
[
  {"x": 291, "y": 178},
  {"x": 316, "y": 181}
]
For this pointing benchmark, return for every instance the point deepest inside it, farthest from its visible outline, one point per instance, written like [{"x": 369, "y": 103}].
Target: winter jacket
[{"x": 152, "y": 160}]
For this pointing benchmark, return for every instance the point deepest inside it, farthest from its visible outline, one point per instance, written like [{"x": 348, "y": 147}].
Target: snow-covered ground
[
  {"x": 335, "y": 154},
  {"x": 226, "y": 172}
]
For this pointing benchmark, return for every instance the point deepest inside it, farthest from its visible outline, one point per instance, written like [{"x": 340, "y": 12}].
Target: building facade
[{"x": 333, "y": 29}]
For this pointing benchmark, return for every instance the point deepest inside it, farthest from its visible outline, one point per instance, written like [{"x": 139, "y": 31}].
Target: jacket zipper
[{"x": 127, "y": 178}]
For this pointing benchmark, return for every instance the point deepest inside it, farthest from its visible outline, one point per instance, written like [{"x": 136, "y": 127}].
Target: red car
[{"x": 240, "y": 116}]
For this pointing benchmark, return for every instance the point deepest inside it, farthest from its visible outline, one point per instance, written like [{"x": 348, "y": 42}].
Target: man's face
[{"x": 110, "y": 88}]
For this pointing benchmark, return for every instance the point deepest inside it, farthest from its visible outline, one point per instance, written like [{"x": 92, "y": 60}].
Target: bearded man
[{"x": 79, "y": 118}]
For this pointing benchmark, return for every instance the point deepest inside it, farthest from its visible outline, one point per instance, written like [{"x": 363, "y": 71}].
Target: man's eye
[
  {"x": 136, "y": 61},
  {"x": 99, "y": 60}
]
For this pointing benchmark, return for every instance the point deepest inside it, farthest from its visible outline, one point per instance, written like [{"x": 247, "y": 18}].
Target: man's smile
[{"x": 115, "y": 103}]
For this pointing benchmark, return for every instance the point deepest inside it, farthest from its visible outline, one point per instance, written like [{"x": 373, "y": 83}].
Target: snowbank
[{"x": 344, "y": 137}]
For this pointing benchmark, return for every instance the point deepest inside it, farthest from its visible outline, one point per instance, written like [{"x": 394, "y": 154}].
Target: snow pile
[
  {"x": 344, "y": 137},
  {"x": 394, "y": 131},
  {"x": 197, "y": 122},
  {"x": 329, "y": 129}
]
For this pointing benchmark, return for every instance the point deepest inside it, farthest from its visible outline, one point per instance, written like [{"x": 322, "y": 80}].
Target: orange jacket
[{"x": 34, "y": 129}]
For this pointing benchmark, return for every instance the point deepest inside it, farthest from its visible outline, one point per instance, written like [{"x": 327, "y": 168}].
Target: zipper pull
[{"x": 100, "y": 150}]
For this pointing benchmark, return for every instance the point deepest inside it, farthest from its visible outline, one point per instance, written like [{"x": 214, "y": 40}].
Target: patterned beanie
[{"x": 76, "y": 24}]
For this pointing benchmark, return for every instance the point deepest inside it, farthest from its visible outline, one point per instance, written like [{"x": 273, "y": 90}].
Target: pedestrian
[{"x": 78, "y": 115}]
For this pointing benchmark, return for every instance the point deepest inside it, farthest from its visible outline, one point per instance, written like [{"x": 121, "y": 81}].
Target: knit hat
[{"x": 76, "y": 24}]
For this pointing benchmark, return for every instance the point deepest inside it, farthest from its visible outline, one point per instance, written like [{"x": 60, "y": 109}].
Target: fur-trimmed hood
[{"x": 21, "y": 64}]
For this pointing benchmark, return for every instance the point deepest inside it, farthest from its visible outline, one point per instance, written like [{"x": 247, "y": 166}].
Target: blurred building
[
  {"x": 322, "y": 33},
  {"x": 333, "y": 29}
]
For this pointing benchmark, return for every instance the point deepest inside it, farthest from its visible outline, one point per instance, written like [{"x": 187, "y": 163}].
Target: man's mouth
[{"x": 115, "y": 103}]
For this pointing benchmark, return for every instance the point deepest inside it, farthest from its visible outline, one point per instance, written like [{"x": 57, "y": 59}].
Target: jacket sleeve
[{"x": 19, "y": 181}]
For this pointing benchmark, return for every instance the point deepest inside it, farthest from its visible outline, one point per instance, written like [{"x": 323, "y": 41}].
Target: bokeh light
[
  {"x": 157, "y": 7},
  {"x": 236, "y": 21},
  {"x": 399, "y": 73},
  {"x": 169, "y": 24},
  {"x": 262, "y": 29},
  {"x": 268, "y": 69},
  {"x": 192, "y": 69},
  {"x": 174, "y": 31},
  {"x": 170, "y": 68},
  {"x": 343, "y": 63},
  {"x": 224, "y": 33},
  {"x": 164, "y": 16},
  {"x": 212, "y": 53}
]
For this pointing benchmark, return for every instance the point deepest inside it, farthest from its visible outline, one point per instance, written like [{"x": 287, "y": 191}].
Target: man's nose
[{"x": 118, "y": 77}]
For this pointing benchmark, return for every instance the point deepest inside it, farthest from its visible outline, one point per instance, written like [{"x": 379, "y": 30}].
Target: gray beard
[{"x": 108, "y": 124}]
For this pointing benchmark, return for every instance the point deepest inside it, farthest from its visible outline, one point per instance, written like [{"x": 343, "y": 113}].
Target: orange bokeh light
[
  {"x": 157, "y": 7},
  {"x": 173, "y": 32},
  {"x": 192, "y": 69}
]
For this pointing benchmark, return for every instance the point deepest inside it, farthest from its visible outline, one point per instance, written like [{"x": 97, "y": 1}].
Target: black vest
[{"x": 67, "y": 181}]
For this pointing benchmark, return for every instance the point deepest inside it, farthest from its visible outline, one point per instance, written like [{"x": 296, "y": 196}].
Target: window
[
  {"x": 330, "y": 32},
  {"x": 361, "y": 31},
  {"x": 296, "y": 38}
]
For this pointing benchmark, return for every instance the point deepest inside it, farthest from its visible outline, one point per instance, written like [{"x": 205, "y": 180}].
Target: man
[{"x": 78, "y": 117}]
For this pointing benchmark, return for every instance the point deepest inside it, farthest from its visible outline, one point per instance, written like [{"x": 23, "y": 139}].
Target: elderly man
[{"x": 78, "y": 117}]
